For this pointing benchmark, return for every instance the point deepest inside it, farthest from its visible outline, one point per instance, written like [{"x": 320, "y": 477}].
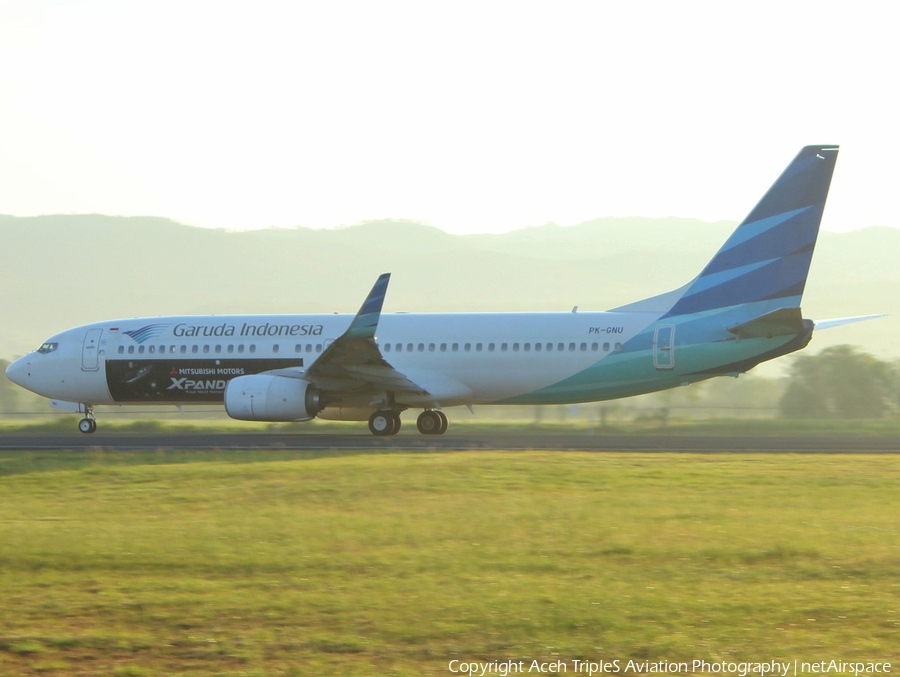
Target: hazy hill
[{"x": 60, "y": 271}]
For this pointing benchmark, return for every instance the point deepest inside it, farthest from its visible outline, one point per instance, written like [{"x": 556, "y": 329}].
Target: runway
[{"x": 452, "y": 441}]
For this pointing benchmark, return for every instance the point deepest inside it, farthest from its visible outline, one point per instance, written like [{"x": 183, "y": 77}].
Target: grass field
[{"x": 223, "y": 563}]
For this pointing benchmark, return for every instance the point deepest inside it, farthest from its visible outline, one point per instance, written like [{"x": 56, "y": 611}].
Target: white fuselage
[{"x": 466, "y": 358}]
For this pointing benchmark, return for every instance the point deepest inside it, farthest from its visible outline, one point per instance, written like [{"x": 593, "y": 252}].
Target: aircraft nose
[{"x": 18, "y": 371}]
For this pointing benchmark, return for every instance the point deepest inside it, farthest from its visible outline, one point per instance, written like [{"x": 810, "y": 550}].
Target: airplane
[{"x": 742, "y": 309}]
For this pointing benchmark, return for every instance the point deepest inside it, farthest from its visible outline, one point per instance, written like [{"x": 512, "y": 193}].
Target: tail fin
[{"x": 767, "y": 258}]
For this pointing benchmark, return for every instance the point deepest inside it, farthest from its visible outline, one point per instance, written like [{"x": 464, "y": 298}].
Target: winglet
[{"x": 366, "y": 320}]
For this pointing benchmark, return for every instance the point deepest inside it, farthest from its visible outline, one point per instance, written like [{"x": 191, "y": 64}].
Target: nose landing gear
[{"x": 88, "y": 424}]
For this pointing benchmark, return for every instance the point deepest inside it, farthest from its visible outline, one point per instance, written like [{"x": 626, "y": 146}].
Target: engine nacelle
[{"x": 263, "y": 397}]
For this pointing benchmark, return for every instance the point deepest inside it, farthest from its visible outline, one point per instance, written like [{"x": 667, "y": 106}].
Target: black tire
[
  {"x": 383, "y": 422},
  {"x": 87, "y": 426},
  {"x": 444, "y": 422},
  {"x": 429, "y": 422}
]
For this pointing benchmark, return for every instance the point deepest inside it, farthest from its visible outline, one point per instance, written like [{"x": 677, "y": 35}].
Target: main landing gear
[
  {"x": 432, "y": 422},
  {"x": 387, "y": 422},
  {"x": 88, "y": 424},
  {"x": 384, "y": 422}
]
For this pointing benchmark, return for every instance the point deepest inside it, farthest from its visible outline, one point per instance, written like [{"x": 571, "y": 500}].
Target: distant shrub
[{"x": 840, "y": 382}]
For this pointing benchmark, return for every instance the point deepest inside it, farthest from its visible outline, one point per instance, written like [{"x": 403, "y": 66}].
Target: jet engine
[{"x": 263, "y": 397}]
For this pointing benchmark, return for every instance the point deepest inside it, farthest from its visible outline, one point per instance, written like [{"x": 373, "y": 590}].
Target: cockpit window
[{"x": 48, "y": 348}]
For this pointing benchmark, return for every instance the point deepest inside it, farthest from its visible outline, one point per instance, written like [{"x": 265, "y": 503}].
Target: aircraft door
[
  {"x": 90, "y": 351},
  {"x": 664, "y": 347}
]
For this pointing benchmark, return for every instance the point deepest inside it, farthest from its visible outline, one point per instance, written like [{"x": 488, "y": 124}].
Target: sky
[{"x": 469, "y": 116}]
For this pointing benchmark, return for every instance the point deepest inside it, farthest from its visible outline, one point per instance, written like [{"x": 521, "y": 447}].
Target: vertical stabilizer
[{"x": 767, "y": 258}]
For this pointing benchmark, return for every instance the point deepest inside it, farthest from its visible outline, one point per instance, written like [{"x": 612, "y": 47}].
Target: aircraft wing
[{"x": 352, "y": 363}]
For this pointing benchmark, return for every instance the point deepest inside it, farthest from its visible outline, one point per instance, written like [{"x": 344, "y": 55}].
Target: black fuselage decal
[{"x": 167, "y": 380}]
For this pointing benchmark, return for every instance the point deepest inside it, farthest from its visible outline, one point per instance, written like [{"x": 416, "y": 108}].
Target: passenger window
[
  {"x": 490, "y": 347},
  {"x": 275, "y": 348},
  {"x": 503, "y": 347},
  {"x": 195, "y": 348},
  {"x": 515, "y": 347},
  {"x": 618, "y": 347},
  {"x": 131, "y": 350},
  {"x": 309, "y": 347},
  {"x": 527, "y": 347},
  {"x": 421, "y": 347},
  {"x": 140, "y": 350},
  {"x": 318, "y": 347},
  {"x": 183, "y": 349},
  {"x": 387, "y": 347},
  {"x": 219, "y": 349},
  {"x": 230, "y": 348},
  {"x": 409, "y": 347},
  {"x": 252, "y": 347},
  {"x": 606, "y": 347},
  {"x": 560, "y": 347},
  {"x": 121, "y": 350},
  {"x": 467, "y": 347},
  {"x": 537, "y": 347},
  {"x": 455, "y": 347},
  {"x": 206, "y": 349},
  {"x": 443, "y": 347},
  {"x": 594, "y": 347},
  {"x": 549, "y": 347},
  {"x": 240, "y": 347},
  {"x": 398, "y": 348},
  {"x": 430, "y": 347},
  {"x": 477, "y": 347},
  {"x": 584, "y": 347},
  {"x": 152, "y": 349},
  {"x": 571, "y": 347}
]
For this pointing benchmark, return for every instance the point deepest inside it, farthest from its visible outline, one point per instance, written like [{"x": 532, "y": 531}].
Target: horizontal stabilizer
[
  {"x": 837, "y": 322},
  {"x": 781, "y": 322}
]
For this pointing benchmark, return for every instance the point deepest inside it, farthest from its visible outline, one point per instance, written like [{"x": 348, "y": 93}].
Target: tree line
[{"x": 841, "y": 382}]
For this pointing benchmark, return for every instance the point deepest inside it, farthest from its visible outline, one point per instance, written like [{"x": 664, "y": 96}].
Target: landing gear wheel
[
  {"x": 87, "y": 425},
  {"x": 383, "y": 422},
  {"x": 430, "y": 422},
  {"x": 443, "y": 422}
]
